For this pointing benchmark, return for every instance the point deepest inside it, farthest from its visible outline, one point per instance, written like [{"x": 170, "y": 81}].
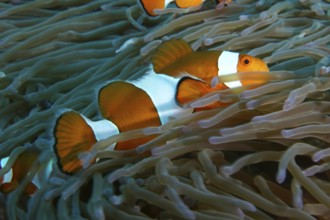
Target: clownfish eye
[{"x": 246, "y": 60}]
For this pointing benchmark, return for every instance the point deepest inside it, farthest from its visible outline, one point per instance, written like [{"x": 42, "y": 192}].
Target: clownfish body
[
  {"x": 150, "y": 5},
  {"x": 179, "y": 75},
  {"x": 11, "y": 180}
]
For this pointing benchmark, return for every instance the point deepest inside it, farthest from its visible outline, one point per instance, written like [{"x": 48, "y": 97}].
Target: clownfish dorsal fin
[
  {"x": 72, "y": 135},
  {"x": 188, "y": 3},
  {"x": 168, "y": 53}
]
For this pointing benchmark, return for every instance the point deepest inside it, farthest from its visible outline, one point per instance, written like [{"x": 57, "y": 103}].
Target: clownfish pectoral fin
[
  {"x": 168, "y": 53},
  {"x": 188, "y": 3},
  {"x": 72, "y": 135},
  {"x": 190, "y": 89},
  {"x": 150, "y": 5}
]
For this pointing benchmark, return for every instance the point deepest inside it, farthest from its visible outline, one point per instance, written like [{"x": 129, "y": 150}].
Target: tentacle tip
[
  {"x": 140, "y": 149},
  {"x": 264, "y": 15},
  {"x": 157, "y": 150},
  {"x": 214, "y": 140},
  {"x": 317, "y": 157},
  {"x": 280, "y": 176},
  {"x": 251, "y": 104},
  {"x": 225, "y": 131},
  {"x": 244, "y": 17},
  {"x": 227, "y": 170},
  {"x": 208, "y": 41},
  {"x": 116, "y": 200},
  {"x": 286, "y": 133},
  {"x": 204, "y": 123},
  {"x": 257, "y": 119},
  {"x": 85, "y": 158}
]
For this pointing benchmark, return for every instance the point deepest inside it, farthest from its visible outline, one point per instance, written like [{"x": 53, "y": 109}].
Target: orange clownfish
[
  {"x": 12, "y": 179},
  {"x": 179, "y": 75},
  {"x": 150, "y": 5}
]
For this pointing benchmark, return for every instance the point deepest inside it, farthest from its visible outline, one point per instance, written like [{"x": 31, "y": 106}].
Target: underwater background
[{"x": 267, "y": 156}]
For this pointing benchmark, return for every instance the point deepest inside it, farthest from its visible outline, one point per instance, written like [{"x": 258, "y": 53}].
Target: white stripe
[
  {"x": 233, "y": 84},
  {"x": 8, "y": 176},
  {"x": 167, "y": 2},
  {"x": 161, "y": 89},
  {"x": 102, "y": 129},
  {"x": 227, "y": 64}
]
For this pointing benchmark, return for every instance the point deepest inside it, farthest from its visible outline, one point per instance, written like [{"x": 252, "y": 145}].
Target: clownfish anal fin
[
  {"x": 168, "y": 53},
  {"x": 72, "y": 136},
  {"x": 189, "y": 89}
]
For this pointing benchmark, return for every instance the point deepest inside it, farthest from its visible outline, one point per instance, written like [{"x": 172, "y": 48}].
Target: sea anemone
[{"x": 264, "y": 156}]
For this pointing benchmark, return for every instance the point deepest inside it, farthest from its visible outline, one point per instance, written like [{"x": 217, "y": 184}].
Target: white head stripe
[
  {"x": 103, "y": 128},
  {"x": 161, "y": 90},
  {"x": 227, "y": 64}
]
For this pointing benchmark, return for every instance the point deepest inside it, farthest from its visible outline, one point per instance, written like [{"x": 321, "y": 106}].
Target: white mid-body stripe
[
  {"x": 103, "y": 128},
  {"x": 227, "y": 64},
  {"x": 161, "y": 89}
]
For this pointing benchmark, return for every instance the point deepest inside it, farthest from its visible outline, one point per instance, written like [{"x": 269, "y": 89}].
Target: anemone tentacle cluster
[{"x": 265, "y": 156}]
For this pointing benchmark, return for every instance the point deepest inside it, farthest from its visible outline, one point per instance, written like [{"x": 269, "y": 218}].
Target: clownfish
[
  {"x": 178, "y": 76},
  {"x": 150, "y": 5},
  {"x": 11, "y": 180}
]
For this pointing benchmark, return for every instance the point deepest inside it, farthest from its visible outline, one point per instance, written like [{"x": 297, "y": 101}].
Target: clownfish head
[
  {"x": 247, "y": 63},
  {"x": 230, "y": 63}
]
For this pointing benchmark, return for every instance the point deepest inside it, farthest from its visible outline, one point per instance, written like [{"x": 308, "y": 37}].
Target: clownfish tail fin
[
  {"x": 169, "y": 52},
  {"x": 73, "y": 136}
]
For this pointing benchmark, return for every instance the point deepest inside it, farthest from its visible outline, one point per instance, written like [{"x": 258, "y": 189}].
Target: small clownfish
[
  {"x": 12, "y": 179},
  {"x": 150, "y": 5},
  {"x": 179, "y": 75}
]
